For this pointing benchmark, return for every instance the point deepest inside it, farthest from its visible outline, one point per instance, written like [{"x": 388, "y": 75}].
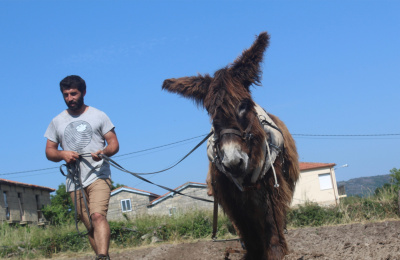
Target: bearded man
[{"x": 84, "y": 134}]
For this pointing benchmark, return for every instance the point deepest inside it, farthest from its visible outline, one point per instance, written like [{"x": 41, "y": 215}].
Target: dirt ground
[{"x": 355, "y": 241}]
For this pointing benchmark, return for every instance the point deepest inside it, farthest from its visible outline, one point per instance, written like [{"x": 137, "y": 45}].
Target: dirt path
[{"x": 355, "y": 241}]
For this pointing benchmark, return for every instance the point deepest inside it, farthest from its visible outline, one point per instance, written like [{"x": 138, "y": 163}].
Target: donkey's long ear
[
  {"x": 247, "y": 67},
  {"x": 195, "y": 88}
]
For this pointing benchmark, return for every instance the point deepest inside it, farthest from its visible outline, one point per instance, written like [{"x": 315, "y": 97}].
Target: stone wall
[
  {"x": 23, "y": 203},
  {"x": 139, "y": 204},
  {"x": 176, "y": 204},
  {"x": 145, "y": 204}
]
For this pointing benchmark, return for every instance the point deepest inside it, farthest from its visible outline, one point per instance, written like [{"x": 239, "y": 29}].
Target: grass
[
  {"x": 381, "y": 206},
  {"x": 33, "y": 242}
]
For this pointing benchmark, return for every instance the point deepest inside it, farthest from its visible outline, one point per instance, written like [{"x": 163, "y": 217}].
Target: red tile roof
[
  {"x": 25, "y": 185},
  {"x": 311, "y": 165},
  {"x": 126, "y": 187}
]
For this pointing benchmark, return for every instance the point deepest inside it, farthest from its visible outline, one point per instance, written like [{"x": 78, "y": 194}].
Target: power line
[
  {"x": 37, "y": 170},
  {"x": 347, "y": 135},
  {"x": 188, "y": 139},
  {"x": 125, "y": 154},
  {"x": 153, "y": 148}
]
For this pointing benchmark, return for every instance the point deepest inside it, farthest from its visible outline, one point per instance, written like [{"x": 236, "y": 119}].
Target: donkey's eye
[{"x": 242, "y": 108}]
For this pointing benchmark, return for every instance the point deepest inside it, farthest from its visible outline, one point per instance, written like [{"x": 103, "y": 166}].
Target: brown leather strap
[{"x": 215, "y": 219}]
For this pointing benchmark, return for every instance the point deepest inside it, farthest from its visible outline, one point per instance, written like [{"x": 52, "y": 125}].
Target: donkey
[{"x": 255, "y": 197}]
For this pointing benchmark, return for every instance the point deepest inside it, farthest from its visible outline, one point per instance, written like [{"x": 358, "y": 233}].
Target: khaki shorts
[{"x": 97, "y": 196}]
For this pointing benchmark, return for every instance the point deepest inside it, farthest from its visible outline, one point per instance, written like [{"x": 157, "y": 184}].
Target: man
[{"x": 84, "y": 133}]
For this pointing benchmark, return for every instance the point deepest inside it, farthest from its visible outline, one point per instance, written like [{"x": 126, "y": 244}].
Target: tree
[
  {"x": 113, "y": 187},
  {"x": 61, "y": 210},
  {"x": 395, "y": 174}
]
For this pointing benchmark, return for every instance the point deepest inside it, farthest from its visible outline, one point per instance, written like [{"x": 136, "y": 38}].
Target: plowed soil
[{"x": 355, "y": 241}]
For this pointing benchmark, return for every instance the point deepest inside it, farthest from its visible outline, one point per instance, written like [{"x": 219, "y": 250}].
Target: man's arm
[
  {"x": 111, "y": 148},
  {"x": 55, "y": 155}
]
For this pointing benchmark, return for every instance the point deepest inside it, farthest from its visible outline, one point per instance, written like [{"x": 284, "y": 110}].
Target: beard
[{"x": 75, "y": 106}]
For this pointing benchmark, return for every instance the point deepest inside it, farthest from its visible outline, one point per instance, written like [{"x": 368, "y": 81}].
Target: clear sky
[{"x": 332, "y": 68}]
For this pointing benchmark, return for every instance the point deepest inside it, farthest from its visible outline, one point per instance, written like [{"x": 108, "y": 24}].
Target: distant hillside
[{"x": 364, "y": 186}]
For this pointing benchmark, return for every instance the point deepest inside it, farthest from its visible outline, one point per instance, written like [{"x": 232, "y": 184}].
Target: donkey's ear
[
  {"x": 195, "y": 87},
  {"x": 247, "y": 67}
]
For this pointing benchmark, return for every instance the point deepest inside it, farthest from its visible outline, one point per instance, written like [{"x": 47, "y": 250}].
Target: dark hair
[{"x": 73, "y": 81}]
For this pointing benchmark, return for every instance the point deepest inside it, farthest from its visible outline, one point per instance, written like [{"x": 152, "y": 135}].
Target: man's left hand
[{"x": 96, "y": 157}]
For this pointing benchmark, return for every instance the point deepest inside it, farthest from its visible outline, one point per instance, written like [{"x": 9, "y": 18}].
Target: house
[
  {"x": 172, "y": 203},
  {"x": 129, "y": 202},
  {"x": 317, "y": 183},
  {"x": 126, "y": 202},
  {"x": 22, "y": 203}
]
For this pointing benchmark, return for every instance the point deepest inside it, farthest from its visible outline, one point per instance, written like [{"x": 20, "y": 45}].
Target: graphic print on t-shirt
[{"x": 78, "y": 135}]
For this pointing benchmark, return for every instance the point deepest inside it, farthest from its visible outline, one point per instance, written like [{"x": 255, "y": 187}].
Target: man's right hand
[{"x": 69, "y": 156}]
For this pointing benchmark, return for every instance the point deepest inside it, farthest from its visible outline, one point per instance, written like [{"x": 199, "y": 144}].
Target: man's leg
[
  {"x": 83, "y": 216},
  {"x": 99, "y": 194},
  {"x": 101, "y": 233}
]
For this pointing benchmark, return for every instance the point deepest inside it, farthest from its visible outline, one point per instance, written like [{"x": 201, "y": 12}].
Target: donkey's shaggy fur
[{"x": 259, "y": 213}]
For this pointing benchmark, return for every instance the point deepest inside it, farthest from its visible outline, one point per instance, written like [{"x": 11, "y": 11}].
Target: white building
[{"x": 317, "y": 183}]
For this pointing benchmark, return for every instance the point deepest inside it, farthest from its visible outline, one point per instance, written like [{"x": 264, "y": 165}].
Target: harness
[{"x": 272, "y": 147}]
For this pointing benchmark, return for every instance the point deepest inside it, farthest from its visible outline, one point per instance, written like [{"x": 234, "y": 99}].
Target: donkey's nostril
[{"x": 240, "y": 163}]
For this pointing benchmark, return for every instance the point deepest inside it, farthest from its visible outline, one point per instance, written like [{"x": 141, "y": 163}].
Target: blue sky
[{"x": 332, "y": 68}]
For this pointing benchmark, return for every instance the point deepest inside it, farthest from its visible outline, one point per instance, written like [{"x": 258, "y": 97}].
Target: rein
[
  {"x": 77, "y": 179},
  {"x": 119, "y": 167},
  {"x": 74, "y": 171}
]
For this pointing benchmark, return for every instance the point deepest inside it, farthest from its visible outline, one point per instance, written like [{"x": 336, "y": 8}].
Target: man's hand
[
  {"x": 55, "y": 155},
  {"x": 96, "y": 157},
  {"x": 112, "y": 146},
  {"x": 69, "y": 156}
]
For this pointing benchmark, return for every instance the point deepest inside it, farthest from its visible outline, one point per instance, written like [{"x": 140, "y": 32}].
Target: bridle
[{"x": 245, "y": 135}]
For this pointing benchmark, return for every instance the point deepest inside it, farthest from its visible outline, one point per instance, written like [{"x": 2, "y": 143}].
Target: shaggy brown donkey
[{"x": 255, "y": 205}]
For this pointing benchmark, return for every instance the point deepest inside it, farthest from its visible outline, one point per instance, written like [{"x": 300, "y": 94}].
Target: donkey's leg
[{"x": 275, "y": 223}]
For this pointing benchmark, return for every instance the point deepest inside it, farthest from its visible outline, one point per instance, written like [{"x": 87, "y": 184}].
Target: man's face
[{"x": 73, "y": 98}]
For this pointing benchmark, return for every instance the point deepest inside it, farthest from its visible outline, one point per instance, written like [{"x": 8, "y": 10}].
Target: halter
[{"x": 246, "y": 135}]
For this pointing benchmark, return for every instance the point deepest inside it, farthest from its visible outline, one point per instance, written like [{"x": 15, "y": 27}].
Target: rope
[
  {"x": 119, "y": 167},
  {"x": 77, "y": 179}
]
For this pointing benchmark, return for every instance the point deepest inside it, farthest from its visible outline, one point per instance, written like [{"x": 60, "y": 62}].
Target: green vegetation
[
  {"x": 61, "y": 237},
  {"x": 61, "y": 210},
  {"x": 383, "y": 205},
  {"x": 34, "y": 242}
]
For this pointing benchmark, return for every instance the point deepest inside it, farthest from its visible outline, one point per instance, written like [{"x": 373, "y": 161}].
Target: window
[
  {"x": 39, "y": 211},
  {"x": 21, "y": 207},
  {"x": 6, "y": 205},
  {"x": 172, "y": 211},
  {"x": 325, "y": 181},
  {"x": 126, "y": 205}
]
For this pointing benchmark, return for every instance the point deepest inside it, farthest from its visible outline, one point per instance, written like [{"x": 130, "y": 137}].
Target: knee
[{"x": 98, "y": 218}]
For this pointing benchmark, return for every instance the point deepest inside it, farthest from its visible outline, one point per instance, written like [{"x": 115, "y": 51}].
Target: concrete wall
[
  {"x": 308, "y": 188},
  {"x": 25, "y": 208}
]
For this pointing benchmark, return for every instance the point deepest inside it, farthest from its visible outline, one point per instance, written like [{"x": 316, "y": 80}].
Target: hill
[{"x": 364, "y": 186}]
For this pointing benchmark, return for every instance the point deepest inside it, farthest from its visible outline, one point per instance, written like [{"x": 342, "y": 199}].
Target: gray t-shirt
[{"x": 82, "y": 134}]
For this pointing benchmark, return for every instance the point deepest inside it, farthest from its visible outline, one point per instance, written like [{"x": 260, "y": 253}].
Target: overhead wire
[{"x": 332, "y": 136}]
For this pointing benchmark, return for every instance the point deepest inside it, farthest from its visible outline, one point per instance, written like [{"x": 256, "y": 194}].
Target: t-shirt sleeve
[
  {"x": 107, "y": 125},
  {"x": 51, "y": 133}
]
